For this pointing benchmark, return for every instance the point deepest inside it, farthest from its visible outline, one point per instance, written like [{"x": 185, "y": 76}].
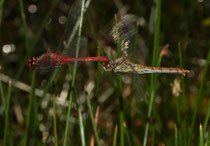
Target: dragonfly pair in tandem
[{"x": 122, "y": 33}]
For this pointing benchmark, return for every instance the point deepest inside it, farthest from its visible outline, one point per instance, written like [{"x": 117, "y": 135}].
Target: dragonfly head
[
  {"x": 32, "y": 63},
  {"x": 108, "y": 66}
]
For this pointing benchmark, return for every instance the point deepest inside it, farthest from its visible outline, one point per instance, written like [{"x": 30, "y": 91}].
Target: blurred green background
[{"x": 158, "y": 109}]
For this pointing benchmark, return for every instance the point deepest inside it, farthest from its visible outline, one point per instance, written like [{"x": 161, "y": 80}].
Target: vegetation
[{"x": 80, "y": 103}]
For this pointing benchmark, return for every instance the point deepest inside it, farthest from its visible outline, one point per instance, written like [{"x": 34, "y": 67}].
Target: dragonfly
[
  {"x": 51, "y": 60},
  {"x": 124, "y": 33}
]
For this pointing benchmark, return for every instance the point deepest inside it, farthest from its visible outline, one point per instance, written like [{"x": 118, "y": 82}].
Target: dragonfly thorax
[{"x": 32, "y": 63}]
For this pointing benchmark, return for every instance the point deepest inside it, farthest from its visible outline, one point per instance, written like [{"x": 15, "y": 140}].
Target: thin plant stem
[
  {"x": 201, "y": 136},
  {"x": 23, "y": 17},
  {"x": 128, "y": 137},
  {"x": 1, "y": 9},
  {"x": 74, "y": 73},
  {"x": 176, "y": 136},
  {"x": 154, "y": 63},
  {"x": 199, "y": 99},
  {"x": 76, "y": 26},
  {"x": 82, "y": 133},
  {"x": 98, "y": 79},
  {"x": 115, "y": 136},
  {"x": 28, "y": 117},
  {"x": 1, "y": 3},
  {"x": 183, "y": 102},
  {"x": 7, "y": 114},
  {"x": 120, "y": 88},
  {"x": 206, "y": 118},
  {"x": 54, "y": 117},
  {"x": 92, "y": 120},
  {"x": 2, "y": 95}
]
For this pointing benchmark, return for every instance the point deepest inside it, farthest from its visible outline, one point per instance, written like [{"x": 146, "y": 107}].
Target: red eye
[{"x": 32, "y": 63}]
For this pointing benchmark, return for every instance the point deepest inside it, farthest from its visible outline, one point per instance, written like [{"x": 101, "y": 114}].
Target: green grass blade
[
  {"x": 155, "y": 62},
  {"x": 99, "y": 48},
  {"x": 82, "y": 131},
  {"x": 92, "y": 120},
  {"x": 1, "y": 3},
  {"x": 23, "y": 17},
  {"x": 7, "y": 114},
  {"x": 127, "y": 136},
  {"x": 206, "y": 118},
  {"x": 198, "y": 101},
  {"x": 2, "y": 94},
  {"x": 201, "y": 136},
  {"x": 121, "y": 129},
  {"x": 74, "y": 30},
  {"x": 54, "y": 116},
  {"x": 1, "y": 10},
  {"x": 182, "y": 102},
  {"x": 68, "y": 118},
  {"x": 74, "y": 73},
  {"x": 176, "y": 136},
  {"x": 28, "y": 117},
  {"x": 120, "y": 88},
  {"x": 115, "y": 136}
]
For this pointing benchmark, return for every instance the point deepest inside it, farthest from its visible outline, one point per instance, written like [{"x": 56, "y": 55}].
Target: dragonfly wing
[
  {"x": 139, "y": 88},
  {"x": 71, "y": 50},
  {"x": 125, "y": 31},
  {"x": 47, "y": 62},
  {"x": 71, "y": 29}
]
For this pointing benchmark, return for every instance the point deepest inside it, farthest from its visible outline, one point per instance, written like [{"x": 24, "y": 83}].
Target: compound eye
[{"x": 32, "y": 63}]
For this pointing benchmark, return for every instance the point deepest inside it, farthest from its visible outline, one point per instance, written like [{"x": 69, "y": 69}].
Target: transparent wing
[
  {"x": 72, "y": 18},
  {"x": 125, "y": 32},
  {"x": 68, "y": 42}
]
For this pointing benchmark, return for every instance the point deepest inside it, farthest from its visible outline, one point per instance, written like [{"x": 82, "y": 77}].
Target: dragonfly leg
[{"x": 125, "y": 60}]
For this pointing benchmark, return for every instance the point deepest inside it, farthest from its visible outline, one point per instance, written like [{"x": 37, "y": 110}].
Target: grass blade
[
  {"x": 92, "y": 120},
  {"x": 115, "y": 136},
  {"x": 23, "y": 17},
  {"x": 198, "y": 101},
  {"x": 176, "y": 136},
  {"x": 82, "y": 133},
  {"x": 28, "y": 118},
  {"x": 74, "y": 73},
  {"x": 183, "y": 103},
  {"x": 99, "y": 48},
  {"x": 2, "y": 94},
  {"x": 206, "y": 118},
  {"x": 54, "y": 116},
  {"x": 7, "y": 114},
  {"x": 201, "y": 136},
  {"x": 120, "y": 87},
  {"x": 154, "y": 63}
]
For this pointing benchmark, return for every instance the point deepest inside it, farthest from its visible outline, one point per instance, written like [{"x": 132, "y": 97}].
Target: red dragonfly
[
  {"x": 121, "y": 65},
  {"x": 51, "y": 60}
]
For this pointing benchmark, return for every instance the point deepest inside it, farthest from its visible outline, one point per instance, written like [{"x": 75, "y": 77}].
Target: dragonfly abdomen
[{"x": 167, "y": 70}]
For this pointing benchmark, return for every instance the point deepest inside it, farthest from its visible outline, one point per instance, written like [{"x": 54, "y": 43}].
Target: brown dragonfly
[{"x": 122, "y": 65}]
